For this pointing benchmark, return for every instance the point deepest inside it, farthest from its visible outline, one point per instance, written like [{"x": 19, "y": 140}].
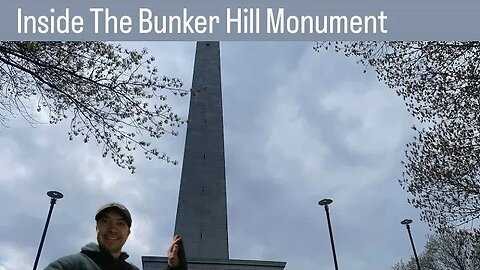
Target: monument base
[{"x": 160, "y": 263}]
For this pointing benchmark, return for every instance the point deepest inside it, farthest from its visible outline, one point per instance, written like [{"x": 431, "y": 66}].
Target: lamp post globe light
[
  {"x": 54, "y": 196},
  {"x": 325, "y": 203},
  {"x": 407, "y": 223}
]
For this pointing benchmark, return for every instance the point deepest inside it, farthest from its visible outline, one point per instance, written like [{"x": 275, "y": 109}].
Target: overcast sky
[{"x": 300, "y": 126}]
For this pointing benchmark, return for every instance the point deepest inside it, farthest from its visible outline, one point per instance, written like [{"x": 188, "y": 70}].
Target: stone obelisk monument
[{"x": 202, "y": 203}]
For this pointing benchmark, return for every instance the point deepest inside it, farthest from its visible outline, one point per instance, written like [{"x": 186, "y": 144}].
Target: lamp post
[
  {"x": 407, "y": 222},
  {"x": 325, "y": 203},
  {"x": 54, "y": 195}
]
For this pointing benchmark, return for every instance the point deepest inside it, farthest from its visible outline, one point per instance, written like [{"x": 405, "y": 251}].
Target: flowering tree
[
  {"x": 450, "y": 250},
  {"x": 440, "y": 83},
  {"x": 110, "y": 95}
]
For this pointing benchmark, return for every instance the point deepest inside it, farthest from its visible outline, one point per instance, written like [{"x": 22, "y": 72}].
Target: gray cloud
[{"x": 299, "y": 126}]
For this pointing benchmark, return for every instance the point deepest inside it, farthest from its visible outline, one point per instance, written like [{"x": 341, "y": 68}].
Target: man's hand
[{"x": 176, "y": 253}]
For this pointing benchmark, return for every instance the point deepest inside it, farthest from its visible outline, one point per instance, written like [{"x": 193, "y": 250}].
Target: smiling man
[{"x": 113, "y": 228}]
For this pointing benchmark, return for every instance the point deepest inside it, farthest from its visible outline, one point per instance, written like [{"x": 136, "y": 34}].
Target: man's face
[{"x": 112, "y": 232}]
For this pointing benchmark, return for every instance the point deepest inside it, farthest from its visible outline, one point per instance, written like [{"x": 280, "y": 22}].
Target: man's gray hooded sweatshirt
[{"x": 92, "y": 257}]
